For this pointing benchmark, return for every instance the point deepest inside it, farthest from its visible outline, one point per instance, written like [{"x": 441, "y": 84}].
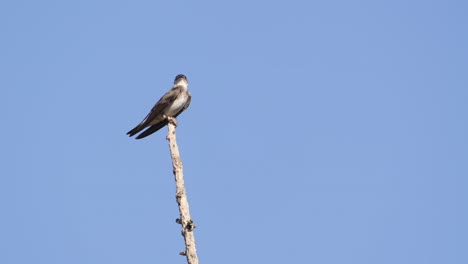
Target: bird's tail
[
  {"x": 134, "y": 131},
  {"x": 153, "y": 129}
]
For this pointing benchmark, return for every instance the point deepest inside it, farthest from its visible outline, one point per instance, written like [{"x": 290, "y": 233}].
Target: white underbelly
[{"x": 177, "y": 105}]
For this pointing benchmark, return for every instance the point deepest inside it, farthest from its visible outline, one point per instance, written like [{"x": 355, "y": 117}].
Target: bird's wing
[
  {"x": 158, "y": 109},
  {"x": 164, "y": 122}
]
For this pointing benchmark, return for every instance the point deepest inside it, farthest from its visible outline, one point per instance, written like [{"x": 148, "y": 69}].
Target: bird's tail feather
[
  {"x": 153, "y": 129},
  {"x": 134, "y": 131}
]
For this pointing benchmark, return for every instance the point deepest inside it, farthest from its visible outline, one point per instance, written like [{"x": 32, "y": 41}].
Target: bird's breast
[{"x": 178, "y": 104}]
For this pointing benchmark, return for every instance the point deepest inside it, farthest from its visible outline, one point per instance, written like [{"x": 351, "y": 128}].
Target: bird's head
[{"x": 180, "y": 80}]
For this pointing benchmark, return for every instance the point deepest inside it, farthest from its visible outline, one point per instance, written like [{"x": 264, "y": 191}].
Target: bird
[{"x": 171, "y": 104}]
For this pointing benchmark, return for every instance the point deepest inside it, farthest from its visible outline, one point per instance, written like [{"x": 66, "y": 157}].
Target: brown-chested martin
[{"x": 171, "y": 104}]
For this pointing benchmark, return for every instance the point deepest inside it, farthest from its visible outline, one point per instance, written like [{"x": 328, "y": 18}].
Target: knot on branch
[
  {"x": 183, "y": 253},
  {"x": 179, "y": 195},
  {"x": 190, "y": 225}
]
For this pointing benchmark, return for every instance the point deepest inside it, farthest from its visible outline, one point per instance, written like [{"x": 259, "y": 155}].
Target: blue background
[{"x": 319, "y": 131}]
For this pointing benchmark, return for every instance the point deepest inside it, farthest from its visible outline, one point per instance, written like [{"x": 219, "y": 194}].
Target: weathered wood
[{"x": 185, "y": 220}]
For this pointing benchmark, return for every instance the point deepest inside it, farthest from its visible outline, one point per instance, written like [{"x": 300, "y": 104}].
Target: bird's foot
[{"x": 172, "y": 120}]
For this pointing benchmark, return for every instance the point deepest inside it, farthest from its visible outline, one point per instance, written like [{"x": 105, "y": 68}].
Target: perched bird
[{"x": 171, "y": 104}]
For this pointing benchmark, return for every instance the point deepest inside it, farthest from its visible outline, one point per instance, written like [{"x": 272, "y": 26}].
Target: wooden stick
[{"x": 185, "y": 221}]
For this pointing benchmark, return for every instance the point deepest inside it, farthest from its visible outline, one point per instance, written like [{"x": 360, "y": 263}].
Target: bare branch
[{"x": 185, "y": 220}]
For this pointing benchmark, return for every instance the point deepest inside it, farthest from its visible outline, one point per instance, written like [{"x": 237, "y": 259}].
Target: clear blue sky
[{"x": 319, "y": 131}]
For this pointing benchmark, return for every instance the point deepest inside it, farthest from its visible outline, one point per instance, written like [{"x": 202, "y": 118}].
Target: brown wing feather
[
  {"x": 157, "y": 110},
  {"x": 160, "y": 107},
  {"x": 164, "y": 122}
]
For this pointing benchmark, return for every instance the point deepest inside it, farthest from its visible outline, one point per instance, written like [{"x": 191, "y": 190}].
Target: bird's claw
[{"x": 171, "y": 120}]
